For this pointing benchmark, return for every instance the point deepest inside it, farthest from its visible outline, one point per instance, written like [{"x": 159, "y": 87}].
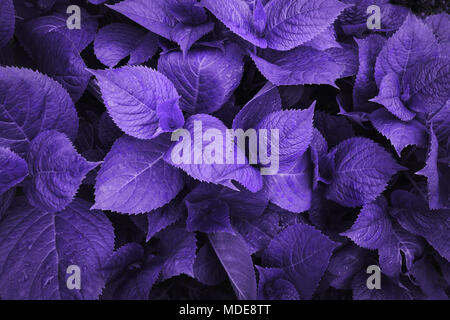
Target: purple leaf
[
  {"x": 429, "y": 85},
  {"x": 344, "y": 264},
  {"x": 134, "y": 179},
  {"x": 273, "y": 285},
  {"x": 56, "y": 171},
  {"x": 237, "y": 262},
  {"x": 116, "y": 41},
  {"x": 295, "y": 132},
  {"x": 303, "y": 65},
  {"x": 266, "y": 101},
  {"x": 205, "y": 78},
  {"x": 389, "y": 291},
  {"x": 401, "y": 134},
  {"x": 291, "y": 187},
  {"x": 7, "y": 21},
  {"x": 208, "y": 216},
  {"x": 177, "y": 248},
  {"x": 238, "y": 16},
  {"x": 258, "y": 231},
  {"x": 132, "y": 96},
  {"x": 37, "y": 247},
  {"x": 347, "y": 57},
  {"x": 57, "y": 22},
  {"x": 390, "y": 97},
  {"x": 31, "y": 103},
  {"x": 56, "y": 56},
  {"x": 207, "y": 267},
  {"x": 365, "y": 86},
  {"x": 334, "y": 128},
  {"x": 303, "y": 253},
  {"x": 373, "y": 227},
  {"x": 438, "y": 23},
  {"x": 242, "y": 203},
  {"x": 291, "y": 23},
  {"x": 413, "y": 43},
  {"x": 401, "y": 247},
  {"x": 161, "y": 218},
  {"x": 413, "y": 215},
  {"x": 437, "y": 175},
  {"x": 131, "y": 275},
  {"x": 153, "y": 15},
  {"x": 13, "y": 169},
  {"x": 324, "y": 40},
  {"x": 186, "y": 35},
  {"x": 361, "y": 172},
  {"x": 195, "y": 156}
]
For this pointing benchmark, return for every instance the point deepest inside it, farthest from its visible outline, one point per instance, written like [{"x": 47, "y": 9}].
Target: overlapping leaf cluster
[{"x": 87, "y": 177}]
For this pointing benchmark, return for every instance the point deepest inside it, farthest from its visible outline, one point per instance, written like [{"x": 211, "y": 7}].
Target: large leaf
[
  {"x": 291, "y": 23},
  {"x": 37, "y": 247},
  {"x": 303, "y": 253},
  {"x": 303, "y": 65},
  {"x": 205, "y": 77},
  {"x": 362, "y": 170},
  {"x": 31, "y": 103},
  {"x": 140, "y": 100},
  {"x": 207, "y": 160},
  {"x": 134, "y": 178}
]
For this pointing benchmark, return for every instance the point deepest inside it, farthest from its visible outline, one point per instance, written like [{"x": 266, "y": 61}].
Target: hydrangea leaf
[
  {"x": 134, "y": 179},
  {"x": 207, "y": 267},
  {"x": 413, "y": 215},
  {"x": 401, "y": 247},
  {"x": 197, "y": 160},
  {"x": 291, "y": 23},
  {"x": 390, "y": 97},
  {"x": 237, "y": 262},
  {"x": 208, "y": 216},
  {"x": 303, "y": 253},
  {"x": 205, "y": 77},
  {"x": 429, "y": 85},
  {"x": 266, "y": 101},
  {"x": 56, "y": 171},
  {"x": 161, "y": 218},
  {"x": 57, "y": 22},
  {"x": 237, "y": 15},
  {"x": 152, "y": 15},
  {"x": 116, "y": 41},
  {"x": 131, "y": 274},
  {"x": 56, "y": 56},
  {"x": 273, "y": 285},
  {"x": 177, "y": 248},
  {"x": 37, "y": 248},
  {"x": 132, "y": 96},
  {"x": 438, "y": 23},
  {"x": 437, "y": 173},
  {"x": 291, "y": 187},
  {"x": 365, "y": 87},
  {"x": 401, "y": 134},
  {"x": 373, "y": 226},
  {"x": 361, "y": 172},
  {"x": 31, "y": 103},
  {"x": 413, "y": 43},
  {"x": 295, "y": 132},
  {"x": 13, "y": 169},
  {"x": 303, "y": 65}
]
